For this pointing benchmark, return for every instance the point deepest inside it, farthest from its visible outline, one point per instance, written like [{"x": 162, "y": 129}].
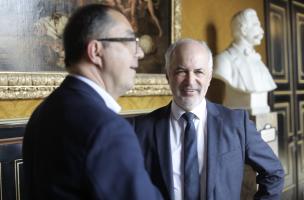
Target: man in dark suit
[
  {"x": 195, "y": 149},
  {"x": 76, "y": 146}
]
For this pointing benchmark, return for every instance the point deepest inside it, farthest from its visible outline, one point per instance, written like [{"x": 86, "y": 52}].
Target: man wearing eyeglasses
[{"x": 75, "y": 145}]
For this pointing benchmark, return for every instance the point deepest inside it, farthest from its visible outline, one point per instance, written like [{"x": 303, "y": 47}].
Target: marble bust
[{"x": 247, "y": 79}]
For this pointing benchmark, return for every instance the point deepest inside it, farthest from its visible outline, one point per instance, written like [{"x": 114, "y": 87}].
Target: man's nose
[
  {"x": 190, "y": 77},
  {"x": 139, "y": 53},
  {"x": 261, "y": 30}
]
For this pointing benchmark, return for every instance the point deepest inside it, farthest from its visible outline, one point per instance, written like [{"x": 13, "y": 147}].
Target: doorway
[{"x": 285, "y": 49}]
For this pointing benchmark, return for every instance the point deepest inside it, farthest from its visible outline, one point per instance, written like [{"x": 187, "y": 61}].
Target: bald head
[{"x": 182, "y": 46}]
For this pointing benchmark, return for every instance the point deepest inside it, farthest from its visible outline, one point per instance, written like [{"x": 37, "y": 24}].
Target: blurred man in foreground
[{"x": 76, "y": 146}]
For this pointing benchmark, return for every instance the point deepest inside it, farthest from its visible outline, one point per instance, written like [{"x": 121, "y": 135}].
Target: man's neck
[
  {"x": 242, "y": 44},
  {"x": 90, "y": 72}
]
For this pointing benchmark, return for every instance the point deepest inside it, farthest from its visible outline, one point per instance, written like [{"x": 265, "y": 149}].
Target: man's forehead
[
  {"x": 191, "y": 48},
  {"x": 190, "y": 54}
]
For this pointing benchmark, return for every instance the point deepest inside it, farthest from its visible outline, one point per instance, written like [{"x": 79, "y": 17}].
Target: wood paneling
[
  {"x": 285, "y": 23},
  {"x": 142, "y": 104},
  {"x": 17, "y": 108},
  {"x": 23, "y": 108}
]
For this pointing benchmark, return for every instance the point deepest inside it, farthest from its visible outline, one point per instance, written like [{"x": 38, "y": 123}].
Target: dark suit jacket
[
  {"x": 76, "y": 148},
  {"x": 232, "y": 142}
]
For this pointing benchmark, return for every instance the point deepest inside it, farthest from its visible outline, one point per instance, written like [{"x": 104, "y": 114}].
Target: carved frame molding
[{"x": 36, "y": 85}]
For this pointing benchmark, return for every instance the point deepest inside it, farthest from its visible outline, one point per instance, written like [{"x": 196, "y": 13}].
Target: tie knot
[{"x": 188, "y": 116}]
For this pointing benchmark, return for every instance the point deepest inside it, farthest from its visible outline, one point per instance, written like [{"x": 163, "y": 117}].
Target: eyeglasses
[{"x": 131, "y": 39}]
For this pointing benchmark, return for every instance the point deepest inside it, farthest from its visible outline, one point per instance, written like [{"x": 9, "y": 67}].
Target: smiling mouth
[{"x": 189, "y": 91}]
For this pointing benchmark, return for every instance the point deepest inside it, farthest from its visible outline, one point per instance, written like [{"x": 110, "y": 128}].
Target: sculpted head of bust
[
  {"x": 246, "y": 27},
  {"x": 240, "y": 67}
]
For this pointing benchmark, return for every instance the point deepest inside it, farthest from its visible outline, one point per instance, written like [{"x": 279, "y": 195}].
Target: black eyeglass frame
[{"x": 122, "y": 39}]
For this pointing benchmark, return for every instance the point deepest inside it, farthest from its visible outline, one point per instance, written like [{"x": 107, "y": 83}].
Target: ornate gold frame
[{"x": 34, "y": 85}]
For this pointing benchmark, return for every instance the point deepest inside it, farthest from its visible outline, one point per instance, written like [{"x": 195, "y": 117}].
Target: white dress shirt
[
  {"x": 177, "y": 127},
  {"x": 108, "y": 99}
]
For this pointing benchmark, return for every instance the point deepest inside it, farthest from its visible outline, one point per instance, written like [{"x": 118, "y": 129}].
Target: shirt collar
[
  {"x": 109, "y": 101},
  {"x": 199, "y": 111}
]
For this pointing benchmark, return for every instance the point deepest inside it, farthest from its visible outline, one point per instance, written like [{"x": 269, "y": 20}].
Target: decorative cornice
[
  {"x": 17, "y": 85},
  {"x": 176, "y": 20},
  {"x": 150, "y": 85}
]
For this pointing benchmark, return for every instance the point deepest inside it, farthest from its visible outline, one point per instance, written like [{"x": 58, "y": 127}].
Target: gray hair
[
  {"x": 239, "y": 19},
  {"x": 172, "y": 47}
]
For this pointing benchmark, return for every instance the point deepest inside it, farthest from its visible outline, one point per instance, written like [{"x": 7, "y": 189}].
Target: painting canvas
[{"x": 31, "y": 32}]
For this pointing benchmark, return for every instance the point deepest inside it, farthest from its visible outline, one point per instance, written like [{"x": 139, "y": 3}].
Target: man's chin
[
  {"x": 188, "y": 105},
  {"x": 127, "y": 87},
  {"x": 257, "y": 42},
  {"x": 189, "y": 93}
]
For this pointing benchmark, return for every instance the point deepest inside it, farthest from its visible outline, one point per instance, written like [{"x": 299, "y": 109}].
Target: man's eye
[
  {"x": 180, "y": 72},
  {"x": 199, "y": 72}
]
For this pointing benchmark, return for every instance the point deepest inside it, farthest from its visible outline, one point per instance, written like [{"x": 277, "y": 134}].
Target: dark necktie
[{"x": 191, "y": 172}]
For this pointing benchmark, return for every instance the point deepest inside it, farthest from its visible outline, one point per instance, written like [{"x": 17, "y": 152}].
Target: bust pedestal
[
  {"x": 267, "y": 125},
  {"x": 255, "y": 103}
]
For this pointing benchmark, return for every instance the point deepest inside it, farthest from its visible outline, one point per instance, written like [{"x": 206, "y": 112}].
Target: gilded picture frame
[{"x": 36, "y": 85}]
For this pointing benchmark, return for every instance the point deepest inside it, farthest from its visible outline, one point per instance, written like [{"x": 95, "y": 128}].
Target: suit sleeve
[
  {"x": 115, "y": 165},
  {"x": 262, "y": 159}
]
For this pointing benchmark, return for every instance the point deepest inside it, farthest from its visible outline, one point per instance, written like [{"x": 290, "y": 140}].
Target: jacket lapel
[
  {"x": 162, "y": 132},
  {"x": 214, "y": 128}
]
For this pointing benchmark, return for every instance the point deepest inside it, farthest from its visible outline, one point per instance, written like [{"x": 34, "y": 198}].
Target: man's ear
[
  {"x": 167, "y": 77},
  {"x": 210, "y": 76},
  {"x": 94, "y": 52},
  {"x": 243, "y": 28}
]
